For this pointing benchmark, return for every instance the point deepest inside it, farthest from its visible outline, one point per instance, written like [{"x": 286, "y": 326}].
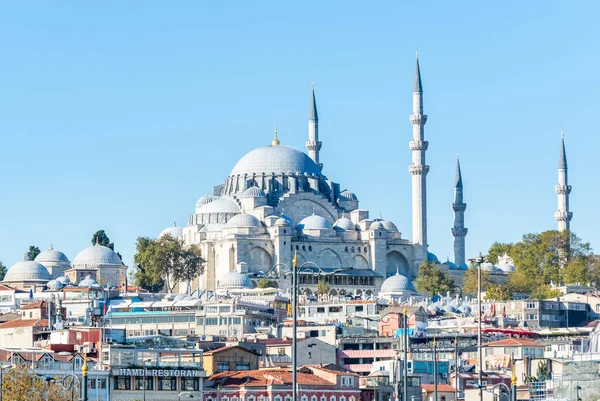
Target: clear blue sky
[{"x": 120, "y": 115}]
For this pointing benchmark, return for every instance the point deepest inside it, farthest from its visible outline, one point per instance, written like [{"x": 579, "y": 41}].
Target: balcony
[{"x": 368, "y": 353}]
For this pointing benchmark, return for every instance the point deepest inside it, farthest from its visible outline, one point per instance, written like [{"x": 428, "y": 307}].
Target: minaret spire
[
  {"x": 313, "y": 145},
  {"x": 419, "y": 168},
  {"x": 459, "y": 231},
  {"x": 563, "y": 216}
]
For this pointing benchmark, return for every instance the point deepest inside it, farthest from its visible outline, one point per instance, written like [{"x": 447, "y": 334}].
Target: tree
[
  {"x": 101, "y": 238},
  {"x": 470, "y": 281},
  {"x": 18, "y": 384},
  {"x": 266, "y": 283},
  {"x": 432, "y": 280},
  {"x": 544, "y": 292},
  {"x": 33, "y": 252},
  {"x": 166, "y": 261},
  {"x": 2, "y": 271},
  {"x": 322, "y": 287},
  {"x": 497, "y": 292},
  {"x": 498, "y": 249}
]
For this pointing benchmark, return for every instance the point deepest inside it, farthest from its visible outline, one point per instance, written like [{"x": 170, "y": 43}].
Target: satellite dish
[{"x": 203, "y": 337}]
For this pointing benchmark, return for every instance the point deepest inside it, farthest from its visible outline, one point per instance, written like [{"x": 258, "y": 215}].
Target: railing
[
  {"x": 367, "y": 353},
  {"x": 359, "y": 367}
]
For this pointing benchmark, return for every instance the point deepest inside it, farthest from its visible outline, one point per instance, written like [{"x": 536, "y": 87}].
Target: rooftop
[
  {"x": 441, "y": 387},
  {"x": 514, "y": 342},
  {"x": 264, "y": 377}
]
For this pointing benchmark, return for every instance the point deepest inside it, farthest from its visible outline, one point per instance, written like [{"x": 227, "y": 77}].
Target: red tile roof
[
  {"x": 228, "y": 347},
  {"x": 24, "y": 323},
  {"x": 275, "y": 341},
  {"x": 35, "y": 305},
  {"x": 441, "y": 387},
  {"x": 514, "y": 342},
  {"x": 264, "y": 377}
]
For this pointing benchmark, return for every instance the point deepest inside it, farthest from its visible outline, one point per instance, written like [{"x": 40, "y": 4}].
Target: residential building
[
  {"x": 499, "y": 354},
  {"x": 445, "y": 392},
  {"x": 229, "y": 358},
  {"x": 309, "y": 351}
]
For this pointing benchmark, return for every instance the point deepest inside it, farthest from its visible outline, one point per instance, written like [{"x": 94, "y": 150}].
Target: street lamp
[
  {"x": 295, "y": 270},
  {"x": 185, "y": 394},
  {"x": 479, "y": 260},
  {"x": 504, "y": 390},
  {"x": 578, "y": 388}
]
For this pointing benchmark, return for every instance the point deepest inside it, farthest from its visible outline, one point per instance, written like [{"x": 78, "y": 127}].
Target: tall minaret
[
  {"x": 563, "y": 216},
  {"x": 418, "y": 169},
  {"x": 459, "y": 231},
  {"x": 313, "y": 145}
]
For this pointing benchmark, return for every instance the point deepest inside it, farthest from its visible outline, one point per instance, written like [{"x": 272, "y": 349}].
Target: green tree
[
  {"x": 577, "y": 271},
  {"x": 470, "y": 281},
  {"x": 544, "y": 291},
  {"x": 497, "y": 292},
  {"x": 266, "y": 283},
  {"x": 101, "y": 238},
  {"x": 498, "y": 249},
  {"x": 432, "y": 280},
  {"x": 166, "y": 261},
  {"x": 322, "y": 287},
  {"x": 2, "y": 271},
  {"x": 33, "y": 252}
]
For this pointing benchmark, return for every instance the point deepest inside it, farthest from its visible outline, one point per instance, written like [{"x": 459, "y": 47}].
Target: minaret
[
  {"x": 563, "y": 216},
  {"x": 418, "y": 169},
  {"x": 459, "y": 231},
  {"x": 313, "y": 145}
]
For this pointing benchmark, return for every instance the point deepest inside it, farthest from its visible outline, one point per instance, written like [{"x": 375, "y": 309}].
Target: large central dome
[{"x": 275, "y": 159}]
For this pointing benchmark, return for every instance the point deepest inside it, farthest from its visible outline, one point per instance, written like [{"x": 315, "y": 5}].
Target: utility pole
[
  {"x": 405, "y": 378},
  {"x": 435, "y": 375},
  {"x": 456, "y": 368}
]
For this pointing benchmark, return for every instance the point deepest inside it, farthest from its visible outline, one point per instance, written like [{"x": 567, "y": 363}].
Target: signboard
[{"x": 158, "y": 372}]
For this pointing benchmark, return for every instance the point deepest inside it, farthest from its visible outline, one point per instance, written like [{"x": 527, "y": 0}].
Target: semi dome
[
  {"x": 347, "y": 195},
  {"x": 344, "y": 224},
  {"x": 243, "y": 220},
  {"x": 51, "y": 255},
  {"x": 377, "y": 225},
  {"x": 174, "y": 231},
  {"x": 54, "y": 285},
  {"x": 27, "y": 270},
  {"x": 88, "y": 282},
  {"x": 314, "y": 222},
  {"x": 464, "y": 266},
  {"x": 219, "y": 205},
  {"x": 64, "y": 279},
  {"x": 282, "y": 222},
  {"x": 254, "y": 192},
  {"x": 96, "y": 256},
  {"x": 206, "y": 199},
  {"x": 488, "y": 266},
  {"x": 275, "y": 159},
  {"x": 234, "y": 281},
  {"x": 451, "y": 265},
  {"x": 398, "y": 284}
]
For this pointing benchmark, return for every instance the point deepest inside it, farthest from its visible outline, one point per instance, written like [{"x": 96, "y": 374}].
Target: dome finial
[
  {"x": 275, "y": 141},
  {"x": 174, "y": 223},
  {"x": 97, "y": 243},
  {"x": 51, "y": 247},
  {"x": 397, "y": 270}
]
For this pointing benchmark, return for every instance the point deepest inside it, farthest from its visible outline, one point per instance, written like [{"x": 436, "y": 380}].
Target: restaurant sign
[{"x": 159, "y": 372}]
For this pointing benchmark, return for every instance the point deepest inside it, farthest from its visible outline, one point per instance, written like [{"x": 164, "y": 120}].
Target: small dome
[
  {"x": 51, "y": 255},
  {"x": 282, "y": 222},
  {"x": 219, "y": 205},
  {"x": 88, "y": 282},
  {"x": 314, "y": 222},
  {"x": 254, "y": 192},
  {"x": 174, "y": 231},
  {"x": 346, "y": 195},
  {"x": 434, "y": 308},
  {"x": 96, "y": 256},
  {"x": 398, "y": 284},
  {"x": 451, "y": 266},
  {"x": 464, "y": 266},
  {"x": 233, "y": 281},
  {"x": 388, "y": 225},
  {"x": 54, "y": 285},
  {"x": 506, "y": 267},
  {"x": 206, "y": 199},
  {"x": 27, "y": 270},
  {"x": 243, "y": 220},
  {"x": 344, "y": 224},
  {"x": 377, "y": 225},
  {"x": 64, "y": 280},
  {"x": 275, "y": 159},
  {"x": 432, "y": 258},
  {"x": 488, "y": 266}
]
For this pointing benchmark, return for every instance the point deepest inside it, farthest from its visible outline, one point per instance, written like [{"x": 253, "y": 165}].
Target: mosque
[{"x": 277, "y": 202}]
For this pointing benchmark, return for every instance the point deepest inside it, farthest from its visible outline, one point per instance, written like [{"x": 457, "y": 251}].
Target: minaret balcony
[
  {"x": 562, "y": 189},
  {"x": 313, "y": 145},
  {"x": 563, "y": 216},
  {"x": 418, "y": 119},
  {"x": 418, "y": 145},
  {"x": 459, "y": 231},
  {"x": 459, "y": 207},
  {"x": 418, "y": 170}
]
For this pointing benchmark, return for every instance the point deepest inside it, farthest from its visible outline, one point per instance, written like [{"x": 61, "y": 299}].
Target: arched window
[
  {"x": 303, "y": 398},
  {"x": 234, "y": 398},
  {"x": 365, "y": 249},
  {"x": 313, "y": 398},
  {"x": 310, "y": 247},
  {"x": 332, "y": 398},
  {"x": 261, "y": 398},
  {"x": 303, "y": 247},
  {"x": 224, "y": 398},
  {"x": 352, "y": 249},
  {"x": 346, "y": 249},
  {"x": 288, "y": 398},
  {"x": 323, "y": 398},
  {"x": 352, "y": 398},
  {"x": 277, "y": 398},
  {"x": 251, "y": 398},
  {"x": 342, "y": 398}
]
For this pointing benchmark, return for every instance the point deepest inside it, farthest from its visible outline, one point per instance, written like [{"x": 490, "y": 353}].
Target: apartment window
[
  {"x": 189, "y": 384},
  {"x": 281, "y": 351},
  {"x": 531, "y": 305},
  {"x": 167, "y": 383},
  {"x": 139, "y": 383},
  {"x": 122, "y": 383},
  {"x": 222, "y": 366},
  {"x": 242, "y": 366}
]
